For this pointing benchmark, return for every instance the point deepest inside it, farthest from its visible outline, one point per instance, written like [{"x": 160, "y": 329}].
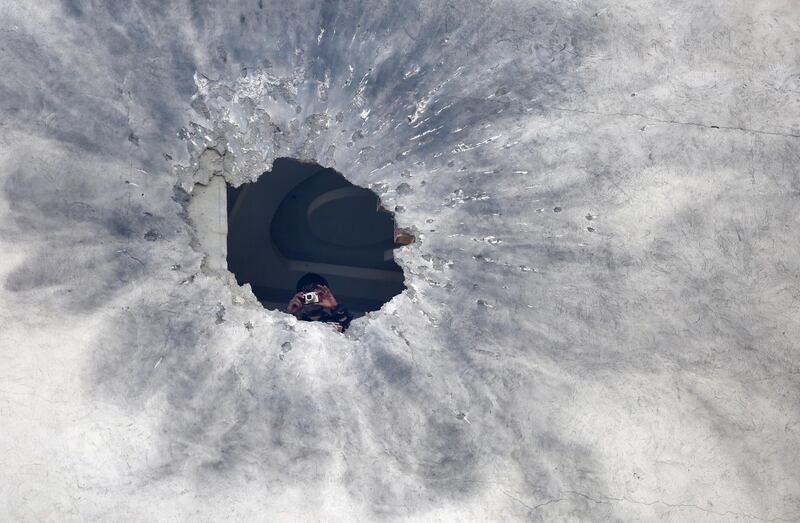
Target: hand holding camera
[
  {"x": 295, "y": 304},
  {"x": 321, "y": 296},
  {"x": 324, "y": 297}
]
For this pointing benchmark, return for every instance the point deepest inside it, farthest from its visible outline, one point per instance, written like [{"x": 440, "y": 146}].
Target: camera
[{"x": 310, "y": 297}]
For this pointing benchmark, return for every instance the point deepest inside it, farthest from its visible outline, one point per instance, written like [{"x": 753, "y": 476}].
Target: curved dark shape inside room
[{"x": 302, "y": 217}]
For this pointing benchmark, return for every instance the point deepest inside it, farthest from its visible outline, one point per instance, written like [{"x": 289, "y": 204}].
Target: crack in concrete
[
  {"x": 609, "y": 499},
  {"x": 675, "y": 122},
  {"x": 531, "y": 507},
  {"x": 131, "y": 256}
]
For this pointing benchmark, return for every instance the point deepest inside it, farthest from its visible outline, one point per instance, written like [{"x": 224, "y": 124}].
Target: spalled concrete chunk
[{"x": 207, "y": 211}]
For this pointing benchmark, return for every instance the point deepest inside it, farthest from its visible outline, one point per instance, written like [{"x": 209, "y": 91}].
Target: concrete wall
[{"x": 601, "y": 319}]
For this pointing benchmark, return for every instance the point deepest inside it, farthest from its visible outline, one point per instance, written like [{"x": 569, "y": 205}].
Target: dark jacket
[{"x": 337, "y": 314}]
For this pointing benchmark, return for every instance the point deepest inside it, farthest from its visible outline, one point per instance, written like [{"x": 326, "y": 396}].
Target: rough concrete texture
[
  {"x": 208, "y": 217},
  {"x": 601, "y": 319}
]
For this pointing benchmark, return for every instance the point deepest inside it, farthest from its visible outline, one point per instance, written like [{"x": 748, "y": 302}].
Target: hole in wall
[{"x": 303, "y": 218}]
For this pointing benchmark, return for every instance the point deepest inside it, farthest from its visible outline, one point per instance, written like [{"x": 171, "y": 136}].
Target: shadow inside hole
[{"x": 302, "y": 217}]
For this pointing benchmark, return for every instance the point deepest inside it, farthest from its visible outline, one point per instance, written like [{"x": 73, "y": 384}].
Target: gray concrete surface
[
  {"x": 602, "y": 314},
  {"x": 208, "y": 217}
]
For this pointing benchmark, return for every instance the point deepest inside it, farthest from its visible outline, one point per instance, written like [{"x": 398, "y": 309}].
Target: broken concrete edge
[
  {"x": 217, "y": 161},
  {"x": 238, "y": 294},
  {"x": 213, "y": 162}
]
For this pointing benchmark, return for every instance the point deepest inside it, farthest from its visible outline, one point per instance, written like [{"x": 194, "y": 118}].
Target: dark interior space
[{"x": 302, "y": 217}]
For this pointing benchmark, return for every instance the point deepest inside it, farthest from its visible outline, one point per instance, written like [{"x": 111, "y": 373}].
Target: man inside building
[{"x": 314, "y": 301}]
